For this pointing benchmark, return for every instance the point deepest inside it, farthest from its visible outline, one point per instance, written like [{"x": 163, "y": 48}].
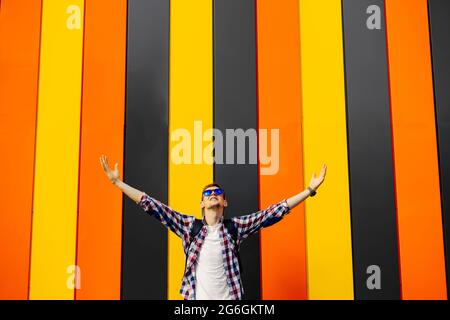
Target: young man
[{"x": 212, "y": 264}]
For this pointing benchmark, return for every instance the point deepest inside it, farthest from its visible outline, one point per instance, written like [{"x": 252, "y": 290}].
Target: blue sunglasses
[{"x": 217, "y": 191}]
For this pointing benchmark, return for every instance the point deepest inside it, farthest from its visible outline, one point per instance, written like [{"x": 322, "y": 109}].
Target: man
[{"x": 212, "y": 269}]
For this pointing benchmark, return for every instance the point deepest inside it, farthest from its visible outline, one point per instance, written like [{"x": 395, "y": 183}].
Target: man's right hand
[{"x": 113, "y": 175}]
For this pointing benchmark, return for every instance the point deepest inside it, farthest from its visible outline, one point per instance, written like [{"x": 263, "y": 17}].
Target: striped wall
[
  {"x": 343, "y": 82},
  {"x": 369, "y": 145},
  {"x": 146, "y": 158},
  {"x": 280, "y": 108},
  {"x": 99, "y": 249},
  {"x": 190, "y": 107},
  {"x": 57, "y": 142}
]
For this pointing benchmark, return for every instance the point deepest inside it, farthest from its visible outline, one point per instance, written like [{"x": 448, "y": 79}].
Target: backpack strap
[
  {"x": 231, "y": 227},
  {"x": 196, "y": 227}
]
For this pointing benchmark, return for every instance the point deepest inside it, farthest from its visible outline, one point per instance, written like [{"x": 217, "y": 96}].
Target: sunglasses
[{"x": 209, "y": 192}]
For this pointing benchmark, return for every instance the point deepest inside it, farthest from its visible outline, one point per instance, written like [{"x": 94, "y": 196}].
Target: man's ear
[
  {"x": 202, "y": 204},
  {"x": 225, "y": 203}
]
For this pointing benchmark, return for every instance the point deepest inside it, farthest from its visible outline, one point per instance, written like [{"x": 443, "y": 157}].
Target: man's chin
[{"x": 215, "y": 206}]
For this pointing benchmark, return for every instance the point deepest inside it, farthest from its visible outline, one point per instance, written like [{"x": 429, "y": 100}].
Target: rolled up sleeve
[
  {"x": 251, "y": 223},
  {"x": 173, "y": 220}
]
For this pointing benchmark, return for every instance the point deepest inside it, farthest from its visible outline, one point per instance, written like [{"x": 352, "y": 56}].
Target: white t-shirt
[{"x": 210, "y": 271}]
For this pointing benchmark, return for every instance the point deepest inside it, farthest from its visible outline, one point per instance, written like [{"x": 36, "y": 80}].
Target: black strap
[
  {"x": 231, "y": 227},
  {"x": 196, "y": 227}
]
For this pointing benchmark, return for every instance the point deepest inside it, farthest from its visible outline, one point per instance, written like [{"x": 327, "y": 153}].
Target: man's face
[{"x": 213, "y": 200}]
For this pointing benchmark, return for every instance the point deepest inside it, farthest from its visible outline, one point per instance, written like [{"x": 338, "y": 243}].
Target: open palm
[
  {"x": 113, "y": 175},
  {"x": 317, "y": 181}
]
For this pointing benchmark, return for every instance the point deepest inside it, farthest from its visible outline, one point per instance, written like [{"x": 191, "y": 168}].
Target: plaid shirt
[{"x": 181, "y": 224}]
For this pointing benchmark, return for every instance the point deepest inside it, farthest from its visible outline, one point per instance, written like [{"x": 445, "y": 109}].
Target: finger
[
  {"x": 116, "y": 166},
  {"x": 103, "y": 164}
]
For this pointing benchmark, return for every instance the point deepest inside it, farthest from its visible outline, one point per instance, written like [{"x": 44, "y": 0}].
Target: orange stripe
[
  {"x": 19, "y": 65},
  {"x": 283, "y": 245},
  {"x": 100, "y": 204},
  {"x": 415, "y": 152}
]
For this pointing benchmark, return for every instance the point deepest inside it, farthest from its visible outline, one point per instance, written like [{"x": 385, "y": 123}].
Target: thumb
[{"x": 116, "y": 166}]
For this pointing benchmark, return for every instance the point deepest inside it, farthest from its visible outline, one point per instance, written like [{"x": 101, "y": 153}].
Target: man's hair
[{"x": 214, "y": 185}]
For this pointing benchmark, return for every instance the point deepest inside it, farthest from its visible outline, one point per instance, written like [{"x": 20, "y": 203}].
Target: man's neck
[{"x": 212, "y": 216}]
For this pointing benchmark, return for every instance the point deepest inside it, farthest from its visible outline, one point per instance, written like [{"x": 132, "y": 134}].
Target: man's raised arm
[
  {"x": 251, "y": 223},
  {"x": 175, "y": 221}
]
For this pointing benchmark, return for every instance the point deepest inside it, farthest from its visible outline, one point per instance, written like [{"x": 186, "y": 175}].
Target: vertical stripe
[
  {"x": 19, "y": 64},
  {"x": 235, "y": 107},
  {"x": 439, "y": 15},
  {"x": 374, "y": 232},
  {"x": 414, "y": 141},
  {"x": 144, "y": 242},
  {"x": 100, "y": 222},
  {"x": 328, "y": 228},
  {"x": 57, "y": 148},
  {"x": 190, "y": 115},
  {"x": 283, "y": 246}
]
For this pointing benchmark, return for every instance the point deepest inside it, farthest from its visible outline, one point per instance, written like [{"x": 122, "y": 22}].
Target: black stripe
[
  {"x": 374, "y": 230},
  {"x": 144, "y": 246},
  {"x": 439, "y": 20},
  {"x": 235, "y": 107}
]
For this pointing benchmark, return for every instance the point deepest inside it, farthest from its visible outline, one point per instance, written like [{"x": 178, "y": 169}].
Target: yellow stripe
[
  {"x": 57, "y": 145},
  {"x": 190, "y": 100},
  {"x": 328, "y": 230}
]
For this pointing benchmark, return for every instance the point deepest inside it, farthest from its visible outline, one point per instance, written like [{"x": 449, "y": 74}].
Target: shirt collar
[{"x": 204, "y": 220}]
